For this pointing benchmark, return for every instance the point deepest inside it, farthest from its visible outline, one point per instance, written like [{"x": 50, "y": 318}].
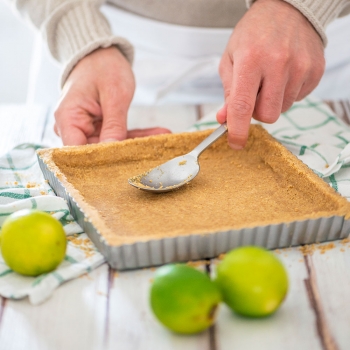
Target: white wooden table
[{"x": 109, "y": 310}]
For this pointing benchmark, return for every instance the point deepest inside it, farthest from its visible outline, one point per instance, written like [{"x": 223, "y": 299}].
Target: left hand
[
  {"x": 273, "y": 58},
  {"x": 95, "y": 101}
]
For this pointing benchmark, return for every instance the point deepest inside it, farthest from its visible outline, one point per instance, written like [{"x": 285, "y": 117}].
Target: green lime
[
  {"x": 32, "y": 242},
  {"x": 184, "y": 299},
  {"x": 253, "y": 281}
]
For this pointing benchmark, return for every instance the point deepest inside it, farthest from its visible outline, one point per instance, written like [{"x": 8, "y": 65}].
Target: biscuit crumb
[
  {"x": 198, "y": 263},
  {"x": 86, "y": 275},
  {"x": 84, "y": 244},
  {"x": 309, "y": 249}
]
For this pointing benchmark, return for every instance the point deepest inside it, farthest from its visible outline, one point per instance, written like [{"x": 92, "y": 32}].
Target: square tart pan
[{"x": 262, "y": 195}]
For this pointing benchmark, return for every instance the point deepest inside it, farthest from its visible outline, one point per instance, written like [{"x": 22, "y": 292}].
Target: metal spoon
[{"x": 176, "y": 172}]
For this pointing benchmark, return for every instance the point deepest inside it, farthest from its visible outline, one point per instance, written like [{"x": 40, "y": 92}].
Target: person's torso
[{"x": 197, "y": 13}]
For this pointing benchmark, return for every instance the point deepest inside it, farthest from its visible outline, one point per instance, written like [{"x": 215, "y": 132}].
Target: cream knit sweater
[{"x": 74, "y": 28}]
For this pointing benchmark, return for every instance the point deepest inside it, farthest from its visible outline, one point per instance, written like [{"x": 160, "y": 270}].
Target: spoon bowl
[
  {"x": 168, "y": 176},
  {"x": 177, "y": 171}
]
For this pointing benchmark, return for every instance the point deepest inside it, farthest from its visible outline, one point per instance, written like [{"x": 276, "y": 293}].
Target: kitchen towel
[
  {"x": 313, "y": 133},
  {"x": 22, "y": 186}
]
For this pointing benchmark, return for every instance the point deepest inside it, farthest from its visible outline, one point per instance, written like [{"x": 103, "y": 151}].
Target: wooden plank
[
  {"x": 21, "y": 124},
  {"x": 293, "y": 326},
  {"x": 131, "y": 324},
  {"x": 331, "y": 267},
  {"x": 177, "y": 118},
  {"x": 341, "y": 108},
  {"x": 2, "y": 308},
  {"x": 73, "y": 318}
]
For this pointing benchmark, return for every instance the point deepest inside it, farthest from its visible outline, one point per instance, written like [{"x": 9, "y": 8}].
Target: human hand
[
  {"x": 273, "y": 58},
  {"x": 95, "y": 101}
]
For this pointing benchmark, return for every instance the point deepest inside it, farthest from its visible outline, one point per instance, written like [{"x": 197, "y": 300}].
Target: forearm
[
  {"x": 72, "y": 29},
  {"x": 319, "y": 12}
]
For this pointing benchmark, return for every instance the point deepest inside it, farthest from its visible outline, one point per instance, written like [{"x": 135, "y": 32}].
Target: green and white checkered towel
[
  {"x": 312, "y": 132},
  {"x": 22, "y": 186},
  {"x": 309, "y": 129}
]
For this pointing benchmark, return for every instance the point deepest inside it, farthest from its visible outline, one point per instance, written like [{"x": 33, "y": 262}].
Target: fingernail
[
  {"x": 108, "y": 140},
  {"x": 234, "y": 146}
]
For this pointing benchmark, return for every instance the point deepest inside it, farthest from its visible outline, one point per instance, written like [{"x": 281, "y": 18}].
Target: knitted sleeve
[
  {"x": 72, "y": 29},
  {"x": 319, "y": 12}
]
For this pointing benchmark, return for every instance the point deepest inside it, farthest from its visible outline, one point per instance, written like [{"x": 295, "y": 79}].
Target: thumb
[{"x": 114, "y": 114}]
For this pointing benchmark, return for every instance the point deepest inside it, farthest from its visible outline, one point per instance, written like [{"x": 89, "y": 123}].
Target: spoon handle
[{"x": 210, "y": 139}]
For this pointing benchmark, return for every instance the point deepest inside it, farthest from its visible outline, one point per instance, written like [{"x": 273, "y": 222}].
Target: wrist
[
  {"x": 291, "y": 13},
  {"x": 318, "y": 13}
]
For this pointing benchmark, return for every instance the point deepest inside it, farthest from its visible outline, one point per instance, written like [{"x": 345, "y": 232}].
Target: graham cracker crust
[{"x": 261, "y": 185}]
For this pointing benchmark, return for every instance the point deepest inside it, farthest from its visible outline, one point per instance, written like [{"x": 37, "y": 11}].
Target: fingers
[
  {"x": 264, "y": 70},
  {"x": 131, "y": 134},
  {"x": 96, "y": 98},
  {"x": 306, "y": 88},
  {"x": 114, "y": 104},
  {"x": 72, "y": 135},
  {"x": 115, "y": 95},
  {"x": 147, "y": 132},
  {"x": 269, "y": 100},
  {"x": 291, "y": 93},
  {"x": 241, "y": 102},
  {"x": 76, "y": 126},
  {"x": 78, "y": 115},
  {"x": 222, "y": 114},
  {"x": 226, "y": 72}
]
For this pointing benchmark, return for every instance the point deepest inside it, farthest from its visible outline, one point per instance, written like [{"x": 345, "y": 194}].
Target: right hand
[
  {"x": 95, "y": 101},
  {"x": 273, "y": 58}
]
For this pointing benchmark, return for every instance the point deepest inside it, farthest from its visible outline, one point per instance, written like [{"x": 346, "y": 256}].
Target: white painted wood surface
[
  {"x": 332, "y": 279},
  {"x": 106, "y": 311},
  {"x": 131, "y": 323},
  {"x": 74, "y": 318}
]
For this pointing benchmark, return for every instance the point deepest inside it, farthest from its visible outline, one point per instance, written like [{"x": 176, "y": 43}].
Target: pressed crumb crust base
[{"x": 261, "y": 185}]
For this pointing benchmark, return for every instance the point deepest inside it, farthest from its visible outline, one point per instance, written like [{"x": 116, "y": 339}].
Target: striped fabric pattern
[
  {"x": 313, "y": 133},
  {"x": 22, "y": 186}
]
